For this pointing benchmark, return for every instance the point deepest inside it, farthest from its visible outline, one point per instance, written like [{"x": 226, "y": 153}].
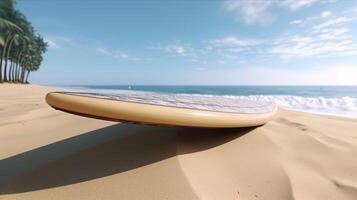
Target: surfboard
[{"x": 160, "y": 109}]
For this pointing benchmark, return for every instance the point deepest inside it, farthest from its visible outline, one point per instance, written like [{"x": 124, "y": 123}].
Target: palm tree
[
  {"x": 6, "y": 7},
  {"x": 13, "y": 35},
  {"x": 5, "y": 24},
  {"x": 21, "y": 48}
]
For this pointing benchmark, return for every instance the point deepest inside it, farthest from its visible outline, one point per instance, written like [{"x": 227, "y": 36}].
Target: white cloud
[
  {"x": 297, "y": 4},
  {"x": 296, "y": 22},
  {"x": 259, "y": 11},
  {"x": 305, "y": 20},
  {"x": 251, "y": 11},
  {"x": 232, "y": 41},
  {"x": 51, "y": 44},
  {"x": 302, "y": 41},
  {"x": 57, "y": 42},
  {"x": 230, "y": 47},
  {"x": 328, "y": 1},
  {"x": 115, "y": 54},
  {"x": 236, "y": 50},
  {"x": 331, "y": 34},
  {"x": 178, "y": 49},
  {"x": 233, "y": 57},
  {"x": 328, "y": 42},
  {"x": 326, "y": 13},
  {"x": 336, "y": 21},
  {"x": 182, "y": 50},
  {"x": 299, "y": 47}
]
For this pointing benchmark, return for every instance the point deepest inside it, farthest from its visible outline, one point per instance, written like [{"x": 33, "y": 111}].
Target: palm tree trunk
[
  {"x": 20, "y": 73},
  {"x": 23, "y": 72},
  {"x": 3, "y": 56},
  {"x": 1, "y": 68},
  {"x": 2, "y": 59},
  {"x": 17, "y": 68},
  {"x": 21, "y": 67},
  {"x": 27, "y": 76},
  {"x": 17, "y": 73},
  {"x": 13, "y": 72},
  {"x": 10, "y": 68},
  {"x": 7, "y": 57},
  {"x": 23, "y": 75},
  {"x": 5, "y": 70}
]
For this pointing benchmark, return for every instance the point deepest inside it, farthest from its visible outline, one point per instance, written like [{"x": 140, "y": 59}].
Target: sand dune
[{"x": 47, "y": 154}]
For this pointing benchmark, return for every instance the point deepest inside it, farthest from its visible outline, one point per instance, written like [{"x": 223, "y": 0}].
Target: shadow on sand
[{"x": 104, "y": 152}]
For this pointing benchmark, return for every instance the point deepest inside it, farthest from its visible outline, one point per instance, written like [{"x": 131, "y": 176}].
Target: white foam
[{"x": 344, "y": 106}]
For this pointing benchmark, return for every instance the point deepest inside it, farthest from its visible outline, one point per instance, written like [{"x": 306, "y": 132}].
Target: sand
[{"x": 48, "y": 154}]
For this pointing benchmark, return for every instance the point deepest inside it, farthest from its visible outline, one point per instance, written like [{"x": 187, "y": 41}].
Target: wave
[{"x": 342, "y": 106}]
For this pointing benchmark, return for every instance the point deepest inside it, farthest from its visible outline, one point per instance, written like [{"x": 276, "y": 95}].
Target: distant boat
[{"x": 129, "y": 88}]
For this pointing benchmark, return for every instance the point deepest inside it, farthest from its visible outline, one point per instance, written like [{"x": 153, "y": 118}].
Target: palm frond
[
  {"x": 4, "y": 23},
  {"x": 2, "y": 41}
]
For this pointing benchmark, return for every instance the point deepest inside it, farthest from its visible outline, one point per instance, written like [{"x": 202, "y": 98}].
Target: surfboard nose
[{"x": 48, "y": 98}]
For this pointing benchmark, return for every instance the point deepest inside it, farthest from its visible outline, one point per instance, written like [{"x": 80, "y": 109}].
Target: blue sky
[{"x": 201, "y": 42}]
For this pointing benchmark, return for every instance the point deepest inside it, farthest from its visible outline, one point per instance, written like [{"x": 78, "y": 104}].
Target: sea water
[{"x": 330, "y": 100}]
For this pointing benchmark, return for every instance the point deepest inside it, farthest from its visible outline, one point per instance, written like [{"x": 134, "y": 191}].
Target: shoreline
[{"x": 47, "y": 153}]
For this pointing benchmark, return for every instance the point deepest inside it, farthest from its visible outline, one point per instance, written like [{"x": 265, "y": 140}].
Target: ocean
[{"x": 329, "y": 100}]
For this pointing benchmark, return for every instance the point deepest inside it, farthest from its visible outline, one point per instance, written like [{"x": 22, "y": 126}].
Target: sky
[{"x": 201, "y": 42}]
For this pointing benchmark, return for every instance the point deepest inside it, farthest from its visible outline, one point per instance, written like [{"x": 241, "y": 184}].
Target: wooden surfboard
[{"x": 172, "y": 110}]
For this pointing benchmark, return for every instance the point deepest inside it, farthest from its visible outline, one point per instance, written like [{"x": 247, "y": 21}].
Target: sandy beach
[{"x": 48, "y": 154}]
